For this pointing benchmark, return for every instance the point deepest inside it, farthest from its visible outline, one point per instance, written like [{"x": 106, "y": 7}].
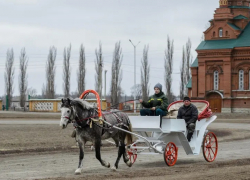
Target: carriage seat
[{"x": 174, "y": 107}]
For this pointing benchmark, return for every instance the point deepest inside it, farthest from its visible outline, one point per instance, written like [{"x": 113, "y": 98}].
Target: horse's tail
[{"x": 129, "y": 137}]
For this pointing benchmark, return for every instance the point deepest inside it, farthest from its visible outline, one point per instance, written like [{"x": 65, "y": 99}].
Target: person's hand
[
  {"x": 153, "y": 108},
  {"x": 140, "y": 100}
]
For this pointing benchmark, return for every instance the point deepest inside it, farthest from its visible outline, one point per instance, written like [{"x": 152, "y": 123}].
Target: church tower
[
  {"x": 229, "y": 21},
  {"x": 221, "y": 71}
]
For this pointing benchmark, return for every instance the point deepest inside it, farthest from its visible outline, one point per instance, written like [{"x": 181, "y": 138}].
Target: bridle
[{"x": 70, "y": 118}]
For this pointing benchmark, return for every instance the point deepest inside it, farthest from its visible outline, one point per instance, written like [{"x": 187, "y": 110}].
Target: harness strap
[{"x": 95, "y": 120}]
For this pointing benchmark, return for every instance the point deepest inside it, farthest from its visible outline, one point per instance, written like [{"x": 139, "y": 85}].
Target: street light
[{"x": 134, "y": 72}]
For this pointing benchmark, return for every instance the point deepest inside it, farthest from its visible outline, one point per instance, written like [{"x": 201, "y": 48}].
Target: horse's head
[
  {"x": 78, "y": 110},
  {"x": 67, "y": 113}
]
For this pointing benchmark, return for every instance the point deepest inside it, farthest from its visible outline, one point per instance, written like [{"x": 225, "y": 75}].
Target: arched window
[
  {"x": 216, "y": 80},
  {"x": 214, "y": 34},
  {"x": 226, "y": 33},
  {"x": 241, "y": 80},
  {"x": 220, "y": 32}
]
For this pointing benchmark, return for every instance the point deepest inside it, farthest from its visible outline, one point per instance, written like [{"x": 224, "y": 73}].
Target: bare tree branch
[
  {"x": 116, "y": 76},
  {"x": 137, "y": 91},
  {"x": 81, "y": 71},
  {"x": 9, "y": 74},
  {"x": 169, "y": 68},
  {"x": 66, "y": 71},
  {"x": 145, "y": 70},
  {"x": 32, "y": 92},
  {"x": 23, "y": 83},
  {"x": 49, "y": 90}
]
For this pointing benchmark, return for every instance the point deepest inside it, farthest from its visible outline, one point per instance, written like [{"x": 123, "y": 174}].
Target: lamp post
[{"x": 134, "y": 73}]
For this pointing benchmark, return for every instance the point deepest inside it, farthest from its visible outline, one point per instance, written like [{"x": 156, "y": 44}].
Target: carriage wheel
[
  {"x": 132, "y": 154},
  {"x": 210, "y": 147},
  {"x": 170, "y": 154}
]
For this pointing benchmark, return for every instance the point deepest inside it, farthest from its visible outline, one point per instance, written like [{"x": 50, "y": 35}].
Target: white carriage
[{"x": 154, "y": 136}]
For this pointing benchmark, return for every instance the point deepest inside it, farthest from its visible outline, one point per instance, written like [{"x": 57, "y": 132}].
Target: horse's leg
[
  {"x": 126, "y": 159},
  {"x": 81, "y": 155},
  {"x": 121, "y": 149},
  {"x": 98, "y": 153}
]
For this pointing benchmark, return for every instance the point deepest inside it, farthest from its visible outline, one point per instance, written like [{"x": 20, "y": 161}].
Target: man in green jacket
[{"x": 157, "y": 103}]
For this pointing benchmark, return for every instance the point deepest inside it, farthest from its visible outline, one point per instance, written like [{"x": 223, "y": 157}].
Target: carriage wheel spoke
[
  {"x": 210, "y": 147},
  {"x": 170, "y": 155}
]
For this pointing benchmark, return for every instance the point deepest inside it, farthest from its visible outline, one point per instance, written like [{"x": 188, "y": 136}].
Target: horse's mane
[{"x": 84, "y": 104}]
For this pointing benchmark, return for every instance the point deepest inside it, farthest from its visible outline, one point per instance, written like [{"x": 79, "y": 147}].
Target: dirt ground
[
  {"x": 43, "y": 146},
  {"x": 50, "y": 137}
]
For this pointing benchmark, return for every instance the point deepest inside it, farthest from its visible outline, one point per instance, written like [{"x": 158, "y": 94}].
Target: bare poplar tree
[
  {"x": 50, "y": 74},
  {"x": 9, "y": 74},
  {"x": 185, "y": 68},
  {"x": 66, "y": 71},
  {"x": 183, "y": 75},
  {"x": 145, "y": 70},
  {"x": 188, "y": 59},
  {"x": 116, "y": 75},
  {"x": 23, "y": 83},
  {"x": 169, "y": 68},
  {"x": 98, "y": 68},
  {"x": 81, "y": 71}
]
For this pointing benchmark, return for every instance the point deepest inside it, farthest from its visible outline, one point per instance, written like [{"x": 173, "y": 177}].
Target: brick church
[{"x": 221, "y": 71}]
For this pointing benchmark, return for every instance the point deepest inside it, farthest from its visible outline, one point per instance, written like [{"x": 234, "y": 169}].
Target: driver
[{"x": 157, "y": 103}]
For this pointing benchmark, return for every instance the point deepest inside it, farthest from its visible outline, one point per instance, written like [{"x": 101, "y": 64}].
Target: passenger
[
  {"x": 157, "y": 103},
  {"x": 188, "y": 112}
]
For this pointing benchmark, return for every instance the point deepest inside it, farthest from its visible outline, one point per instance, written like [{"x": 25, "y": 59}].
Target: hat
[
  {"x": 159, "y": 86},
  {"x": 186, "y": 98}
]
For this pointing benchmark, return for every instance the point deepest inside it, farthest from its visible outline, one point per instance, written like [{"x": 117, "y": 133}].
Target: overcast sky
[{"x": 39, "y": 24}]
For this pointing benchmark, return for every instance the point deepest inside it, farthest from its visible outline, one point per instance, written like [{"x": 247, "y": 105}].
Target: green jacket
[{"x": 157, "y": 101}]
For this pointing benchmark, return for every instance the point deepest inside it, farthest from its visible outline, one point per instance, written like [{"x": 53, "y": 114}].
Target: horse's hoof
[
  {"x": 78, "y": 171},
  {"x": 108, "y": 166},
  {"x": 129, "y": 164},
  {"x": 113, "y": 168}
]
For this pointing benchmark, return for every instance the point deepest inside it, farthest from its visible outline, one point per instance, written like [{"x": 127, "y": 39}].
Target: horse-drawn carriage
[
  {"x": 166, "y": 135},
  {"x": 153, "y": 134}
]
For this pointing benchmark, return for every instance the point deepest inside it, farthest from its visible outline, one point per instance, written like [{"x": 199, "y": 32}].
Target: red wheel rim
[
  {"x": 132, "y": 154},
  {"x": 210, "y": 147},
  {"x": 170, "y": 154}
]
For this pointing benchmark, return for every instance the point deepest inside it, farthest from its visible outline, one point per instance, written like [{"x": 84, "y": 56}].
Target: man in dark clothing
[
  {"x": 157, "y": 103},
  {"x": 188, "y": 112}
]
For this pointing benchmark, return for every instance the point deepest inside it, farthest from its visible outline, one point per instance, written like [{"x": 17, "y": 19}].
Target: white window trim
[
  {"x": 216, "y": 80},
  {"x": 220, "y": 32},
  {"x": 249, "y": 79},
  {"x": 241, "y": 82}
]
